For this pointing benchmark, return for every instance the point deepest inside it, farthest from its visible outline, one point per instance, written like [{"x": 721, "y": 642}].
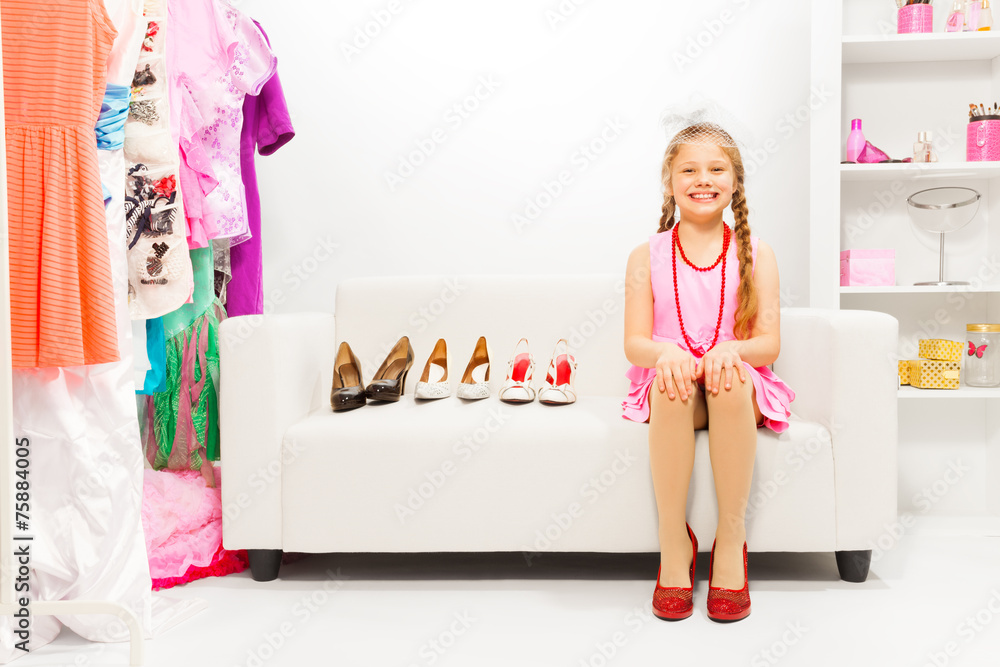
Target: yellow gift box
[
  {"x": 904, "y": 371},
  {"x": 940, "y": 350},
  {"x": 933, "y": 374}
]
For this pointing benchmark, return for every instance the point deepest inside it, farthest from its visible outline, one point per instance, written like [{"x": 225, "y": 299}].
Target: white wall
[{"x": 561, "y": 80}]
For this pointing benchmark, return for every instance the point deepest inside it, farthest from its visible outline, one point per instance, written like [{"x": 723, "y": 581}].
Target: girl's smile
[{"x": 702, "y": 180}]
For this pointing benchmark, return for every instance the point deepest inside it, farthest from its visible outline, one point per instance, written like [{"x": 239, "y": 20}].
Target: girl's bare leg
[{"x": 672, "y": 423}]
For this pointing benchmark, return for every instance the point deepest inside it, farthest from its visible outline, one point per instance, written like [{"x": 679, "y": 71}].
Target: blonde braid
[
  {"x": 667, "y": 219},
  {"x": 746, "y": 308},
  {"x": 669, "y": 203}
]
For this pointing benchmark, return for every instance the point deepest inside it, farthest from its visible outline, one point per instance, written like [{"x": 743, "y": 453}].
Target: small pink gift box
[{"x": 868, "y": 267}]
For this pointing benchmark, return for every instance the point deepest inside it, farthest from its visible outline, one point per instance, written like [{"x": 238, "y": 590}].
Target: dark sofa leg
[
  {"x": 853, "y": 565},
  {"x": 264, "y": 563}
]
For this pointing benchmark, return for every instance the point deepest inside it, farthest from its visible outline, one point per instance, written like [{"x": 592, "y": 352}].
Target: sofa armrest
[
  {"x": 842, "y": 366},
  {"x": 274, "y": 370}
]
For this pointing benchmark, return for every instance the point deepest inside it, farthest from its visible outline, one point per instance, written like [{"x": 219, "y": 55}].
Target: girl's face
[{"x": 702, "y": 182}]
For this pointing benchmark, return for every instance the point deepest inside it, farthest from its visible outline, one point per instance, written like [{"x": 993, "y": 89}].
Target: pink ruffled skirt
[{"x": 773, "y": 396}]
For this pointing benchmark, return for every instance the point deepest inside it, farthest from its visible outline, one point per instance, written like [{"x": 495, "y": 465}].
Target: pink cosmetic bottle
[
  {"x": 956, "y": 20},
  {"x": 972, "y": 10},
  {"x": 855, "y": 141}
]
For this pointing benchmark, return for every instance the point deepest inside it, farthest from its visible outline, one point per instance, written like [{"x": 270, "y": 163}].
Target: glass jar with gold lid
[{"x": 982, "y": 355}]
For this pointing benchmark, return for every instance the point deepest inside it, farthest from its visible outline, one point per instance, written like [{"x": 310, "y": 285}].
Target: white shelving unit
[
  {"x": 900, "y": 85},
  {"x": 915, "y": 171},
  {"x": 916, "y": 48},
  {"x": 960, "y": 393},
  {"x": 922, "y": 289}
]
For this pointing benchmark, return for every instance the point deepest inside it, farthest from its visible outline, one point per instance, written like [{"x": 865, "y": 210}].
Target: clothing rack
[{"x": 8, "y": 563}]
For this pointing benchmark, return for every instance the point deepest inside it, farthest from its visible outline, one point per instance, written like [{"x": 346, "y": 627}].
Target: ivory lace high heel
[
  {"x": 728, "y": 604},
  {"x": 517, "y": 387},
  {"x": 558, "y": 387},
  {"x": 390, "y": 378},
  {"x": 348, "y": 390},
  {"x": 440, "y": 388},
  {"x": 469, "y": 388},
  {"x": 672, "y": 603}
]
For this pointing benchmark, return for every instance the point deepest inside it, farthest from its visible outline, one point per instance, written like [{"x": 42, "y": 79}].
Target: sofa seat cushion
[{"x": 452, "y": 475}]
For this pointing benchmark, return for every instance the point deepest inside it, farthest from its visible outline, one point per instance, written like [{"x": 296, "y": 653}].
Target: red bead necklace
[{"x": 722, "y": 291}]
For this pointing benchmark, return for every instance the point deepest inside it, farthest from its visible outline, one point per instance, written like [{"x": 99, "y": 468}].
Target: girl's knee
[
  {"x": 661, "y": 399},
  {"x": 739, "y": 391}
]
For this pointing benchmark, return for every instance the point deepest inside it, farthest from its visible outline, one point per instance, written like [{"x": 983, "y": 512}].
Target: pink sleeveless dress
[{"x": 699, "y": 297}]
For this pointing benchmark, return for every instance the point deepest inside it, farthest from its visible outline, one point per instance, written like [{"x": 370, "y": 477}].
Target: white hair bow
[{"x": 678, "y": 119}]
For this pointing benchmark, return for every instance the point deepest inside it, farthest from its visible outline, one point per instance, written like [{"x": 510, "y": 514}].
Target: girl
[{"x": 701, "y": 327}]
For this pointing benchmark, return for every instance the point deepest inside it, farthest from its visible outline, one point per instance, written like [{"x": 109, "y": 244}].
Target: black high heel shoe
[
  {"x": 348, "y": 390},
  {"x": 390, "y": 378}
]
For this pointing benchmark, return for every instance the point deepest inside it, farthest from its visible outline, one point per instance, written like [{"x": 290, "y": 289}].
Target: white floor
[{"x": 932, "y": 598}]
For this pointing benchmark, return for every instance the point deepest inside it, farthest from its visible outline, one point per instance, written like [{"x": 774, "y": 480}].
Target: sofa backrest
[{"x": 372, "y": 313}]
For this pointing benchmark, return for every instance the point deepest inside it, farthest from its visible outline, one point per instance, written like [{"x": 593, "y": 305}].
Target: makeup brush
[{"x": 981, "y": 109}]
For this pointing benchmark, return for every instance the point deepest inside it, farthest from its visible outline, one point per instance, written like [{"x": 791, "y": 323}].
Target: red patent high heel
[
  {"x": 728, "y": 604},
  {"x": 672, "y": 603}
]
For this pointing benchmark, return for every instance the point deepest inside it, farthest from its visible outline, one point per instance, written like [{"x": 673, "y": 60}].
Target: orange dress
[{"x": 54, "y": 66}]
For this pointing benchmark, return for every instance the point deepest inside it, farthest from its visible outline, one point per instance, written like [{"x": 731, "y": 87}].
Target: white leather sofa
[{"x": 484, "y": 476}]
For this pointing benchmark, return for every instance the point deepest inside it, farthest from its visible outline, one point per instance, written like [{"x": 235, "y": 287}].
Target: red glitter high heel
[
  {"x": 674, "y": 603},
  {"x": 728, "y": 604}
]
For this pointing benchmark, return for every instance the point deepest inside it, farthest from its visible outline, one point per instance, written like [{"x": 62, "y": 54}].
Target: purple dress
[
  {"x": 266, "y": 128},
  {"x": 699, "y": 297}
]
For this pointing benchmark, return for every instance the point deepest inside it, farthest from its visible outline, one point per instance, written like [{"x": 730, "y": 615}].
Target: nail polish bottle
[
  {"x": 956, "y": 20},
  {"x": 986, "y": 16},
  {"x": 855, "y": 141},
  {"x": 923, "y": 148}
]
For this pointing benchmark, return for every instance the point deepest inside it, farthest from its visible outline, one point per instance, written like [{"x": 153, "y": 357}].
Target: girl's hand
[
  {"x": 720, "y": 365},
  {"x": 675, "y": 368}
]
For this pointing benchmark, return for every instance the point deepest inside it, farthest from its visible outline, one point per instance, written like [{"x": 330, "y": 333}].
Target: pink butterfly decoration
[{"x": 978, "y": 351}]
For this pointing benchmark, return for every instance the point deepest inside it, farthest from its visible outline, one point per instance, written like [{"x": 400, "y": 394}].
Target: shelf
[
  {"x": 918, "y": 48},
  {"x": 913, "y": 171},
  {"x": 919, "y": 289},
  {"x": 907, "y": 391}
]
